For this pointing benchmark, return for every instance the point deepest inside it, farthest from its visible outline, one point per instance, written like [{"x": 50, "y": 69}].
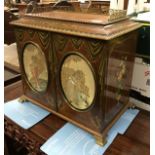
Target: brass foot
[
  {"x": 100, "y": 140},
  {"x": 22, "y": 99},
  {"x": 132, "y": 106}
]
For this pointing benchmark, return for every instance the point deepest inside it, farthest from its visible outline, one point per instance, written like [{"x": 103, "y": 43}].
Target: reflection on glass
[
  {"x": 35, "y": 67},
  {"x": 78, "y": 82}
]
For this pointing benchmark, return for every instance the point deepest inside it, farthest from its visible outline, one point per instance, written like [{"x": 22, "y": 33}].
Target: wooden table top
[{"x": 136, "y": 140}]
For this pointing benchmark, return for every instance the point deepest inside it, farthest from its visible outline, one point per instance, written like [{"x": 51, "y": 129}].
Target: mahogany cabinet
[{"x": 78, "y": 65}]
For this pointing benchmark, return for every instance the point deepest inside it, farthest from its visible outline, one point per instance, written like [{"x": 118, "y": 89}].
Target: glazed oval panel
[
  {"x": 35, "y": 67},
  {"x": 77, "y": 81}
]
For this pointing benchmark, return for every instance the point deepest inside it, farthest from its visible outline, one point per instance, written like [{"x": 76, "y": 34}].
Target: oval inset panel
[
  {"x": 35, "y": 67},
  {"x": 78, "y": 83}
]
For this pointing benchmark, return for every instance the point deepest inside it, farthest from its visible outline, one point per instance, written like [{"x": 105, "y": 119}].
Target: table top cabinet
[{"x": 78, "y": 64}]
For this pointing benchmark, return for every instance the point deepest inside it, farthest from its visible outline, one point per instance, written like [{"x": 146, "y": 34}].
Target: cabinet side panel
[{"x": 120, "y": 68}]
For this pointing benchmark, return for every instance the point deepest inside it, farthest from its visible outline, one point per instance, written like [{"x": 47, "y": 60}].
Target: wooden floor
[{"x": 136, "y": 140}]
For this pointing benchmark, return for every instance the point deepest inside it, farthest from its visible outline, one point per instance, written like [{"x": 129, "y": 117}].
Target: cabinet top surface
[
  {"x": 102, "y": 24},
  {"x": 79, "y": 17}
]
